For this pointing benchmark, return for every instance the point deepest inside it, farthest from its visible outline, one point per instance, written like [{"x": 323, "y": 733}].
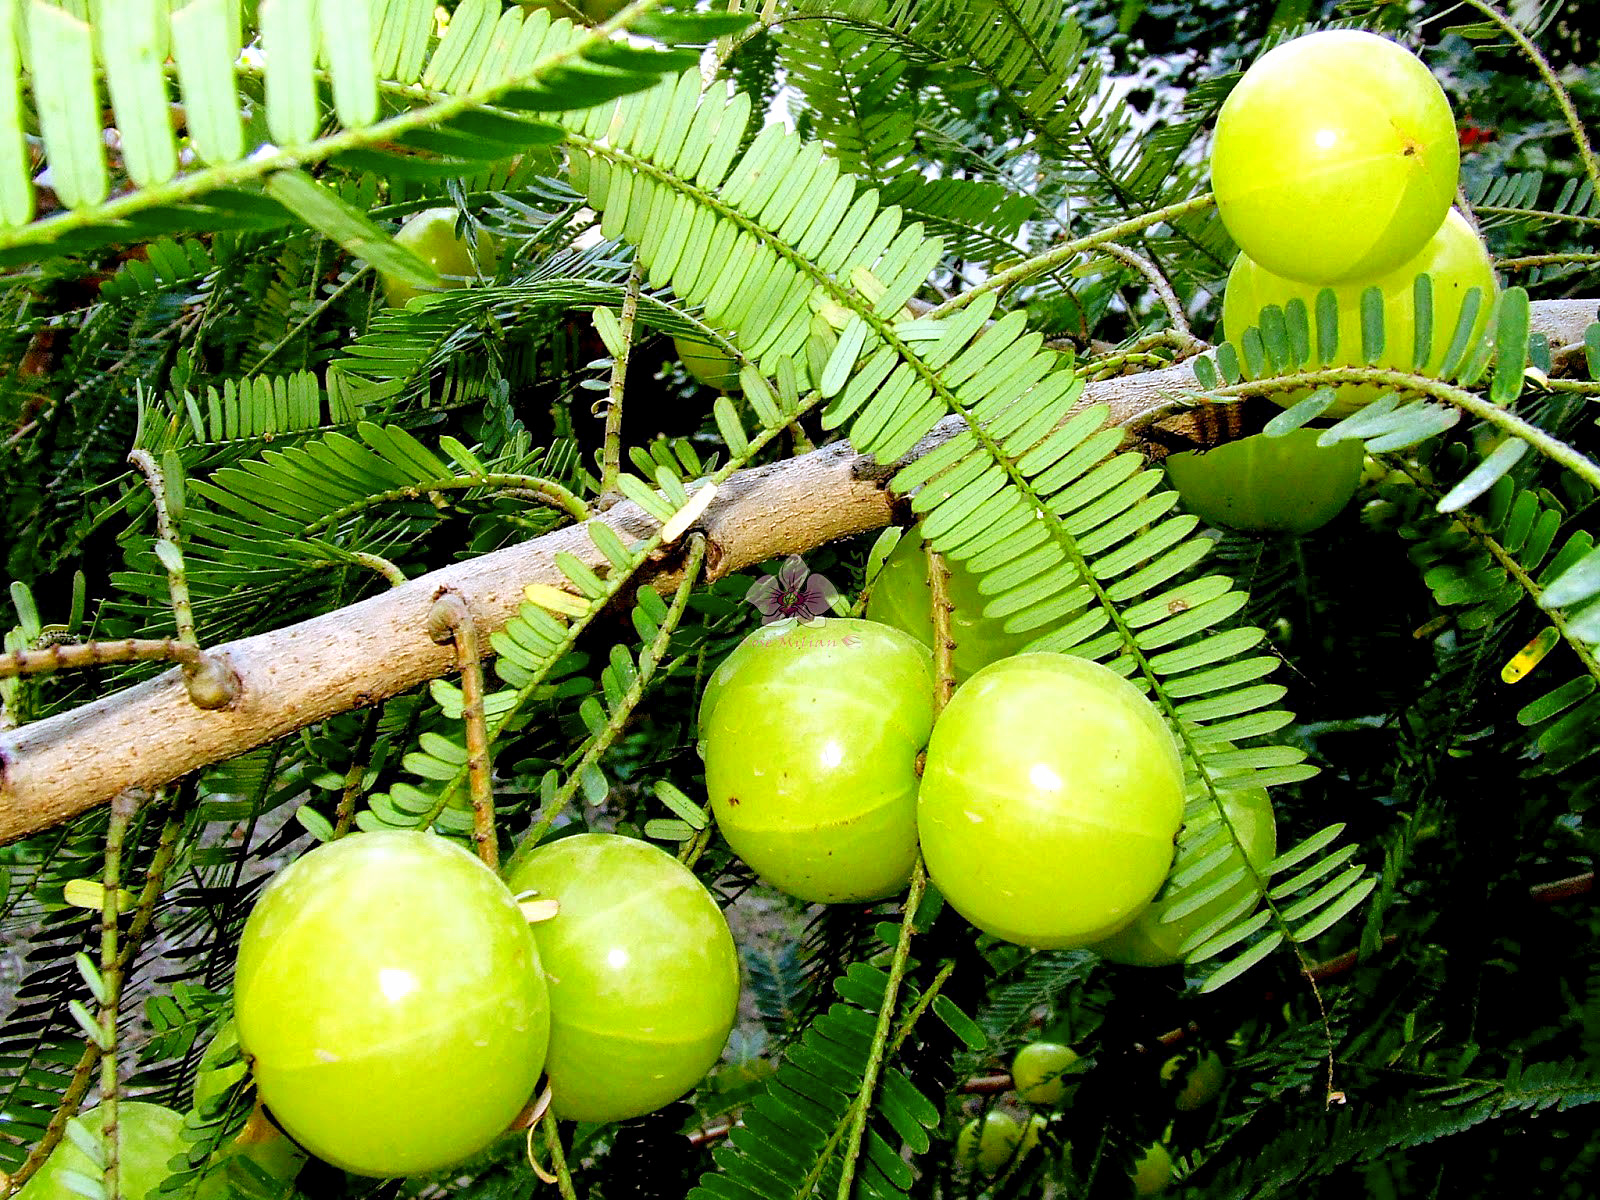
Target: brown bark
[{"x": 151, "y": 734}]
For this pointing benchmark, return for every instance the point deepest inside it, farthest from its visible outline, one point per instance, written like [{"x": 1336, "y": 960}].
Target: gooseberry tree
[{"x": 326, "y": 536}]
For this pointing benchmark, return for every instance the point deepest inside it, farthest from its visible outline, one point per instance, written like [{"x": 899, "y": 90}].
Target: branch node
[
  {"x": 443, "y": 618},
  {"x": 212, "y": 683}
]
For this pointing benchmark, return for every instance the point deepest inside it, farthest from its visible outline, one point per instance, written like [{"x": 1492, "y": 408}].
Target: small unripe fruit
[
  {"x": 1152, "y": 1171},
  {"x": 709, "y": 364},
  {"x": 1040, "y": 1072},
  {"x": 431, "y": 236},
  {"x": 989, "y": 1152},
  {"x": 1201, "y": 1083}
]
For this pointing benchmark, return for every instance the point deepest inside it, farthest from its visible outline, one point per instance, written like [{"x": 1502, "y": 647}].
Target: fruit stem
[
  {"x": 558, "y": 1159},
  {"x": 944, "y": 645},
  {"x": 880, "y": 1036}
]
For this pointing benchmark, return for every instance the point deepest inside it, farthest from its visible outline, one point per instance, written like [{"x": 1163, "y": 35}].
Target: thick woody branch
[{"x": 151, "y": 734}]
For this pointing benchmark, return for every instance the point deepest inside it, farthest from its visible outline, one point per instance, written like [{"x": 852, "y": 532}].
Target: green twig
[
  {"x": 268, "y": 160},
  {"x": 83, "y": 1070},
  {"x": 1052, "y": 259},
  {"x": 878, "y": 1054},
  {"x": 611, "y": 456},
  {"x": 625, "y": 705},
  {"x": 316, "y": 311},
  {"x": 558, "y": 1158},
  {"x": 123, "y": 809},
  {"x": 1575, "y": 126},
  {"x": 93, "y": 654},
  {"x": 167, "y": 530},
  {"x": 1552, "y": 448},
  {"x": 534, "y": 488},
  {"x": 1528, "y": 261},
  {"x": 355, "y": 777}
]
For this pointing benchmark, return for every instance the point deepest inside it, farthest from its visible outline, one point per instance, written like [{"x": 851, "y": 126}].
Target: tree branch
[{"x": 151, "y": 734}]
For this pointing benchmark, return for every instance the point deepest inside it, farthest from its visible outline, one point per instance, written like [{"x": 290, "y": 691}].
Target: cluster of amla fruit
[{"x": 1335, "y": 163}]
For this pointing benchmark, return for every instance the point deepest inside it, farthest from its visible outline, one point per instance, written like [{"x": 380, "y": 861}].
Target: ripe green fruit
[
  {"x": 989, "y": 1152},
  {"x": 811, "y": 735},
  {"x": 390, "y": 998},
  {"x": 643, "y": 975},
  {"x": 1151, "y": 941},
  {"x": 1454, "y": 258},
  {"x": 1050, "y": 799},
  {"x": 1200, "y": 1085},
  {"x": 431, "y": 236},
  {"x": 1335, "y": 157},
  {"x": 1040, "y": 1069},
  {"x": 901, "y": 597},
  {"x": 1152, "y": 1171},
  {"x": 1261, "y": 484},
  {"x": 149, "y": 1136},
  {"x": 708, "y": 364}
]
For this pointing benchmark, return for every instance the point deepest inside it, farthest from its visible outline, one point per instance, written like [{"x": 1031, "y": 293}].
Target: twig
[
  {"x": 149, "y": 735},
  {"x": 624, "y": 707},
  {"x": 880, "y": 1037},
  {"x": 1161, "y": 284},
  {"x": 67, "y": 657},
  {"x": 611, "y": 463},
  {"x": 1044, "y": 263},
  {"x": 83, "y": 1070},
  {"x": 558, "y": 1159},
  {"x": 122, "y": 812},
  {"x": 451, "y": 620}
]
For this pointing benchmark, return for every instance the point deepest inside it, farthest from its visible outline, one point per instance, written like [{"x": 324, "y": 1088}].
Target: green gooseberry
[
  {"x": 431, "y": 236},
  {"x": 1201, "y": 1082},
  {"x": 643, "y": 974},
  {"x": 389, "y": 997},
  {"x": 901, "y": 597},
  {"x": 1152, "y": 940},
  {"x": 1264, "y": 484},
  {"x": 709, "y": 364},
  {"x": 811, "y": 734},
  {"x": 1152, "y": 1170},
  {"x": 1050, "y": 799},
  {"x": 149, "y": 1136},
  {"x": 1040, "y": 1070}
]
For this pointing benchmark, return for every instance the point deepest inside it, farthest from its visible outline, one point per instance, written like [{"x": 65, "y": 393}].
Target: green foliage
[{"x": 1417, "y": 686}]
